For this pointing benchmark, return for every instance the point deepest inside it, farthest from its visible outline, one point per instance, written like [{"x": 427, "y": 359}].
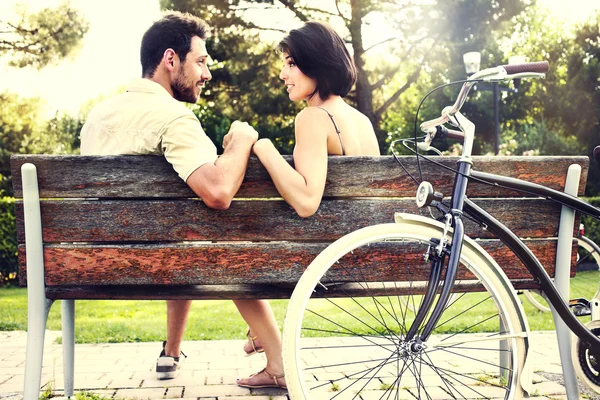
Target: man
[{"x": 150, "y": 118}]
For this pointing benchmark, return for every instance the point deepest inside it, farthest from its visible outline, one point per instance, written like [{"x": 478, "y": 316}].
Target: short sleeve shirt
[{"x": 146, "y": 119}]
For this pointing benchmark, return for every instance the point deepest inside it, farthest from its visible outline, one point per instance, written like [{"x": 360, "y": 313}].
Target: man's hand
[{"x": 240, "y": 131}]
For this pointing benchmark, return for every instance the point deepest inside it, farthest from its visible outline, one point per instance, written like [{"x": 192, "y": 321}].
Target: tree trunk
[{"x": 364, "y": 91}]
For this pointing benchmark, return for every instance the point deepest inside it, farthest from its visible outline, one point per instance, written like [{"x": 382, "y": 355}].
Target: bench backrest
[{"x": 131, "y": 221}]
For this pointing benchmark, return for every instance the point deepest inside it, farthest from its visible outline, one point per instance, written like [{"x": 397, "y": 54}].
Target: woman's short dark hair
[
  {"x": 321, "y": 54},
  {"x": 174, "y": 30}
]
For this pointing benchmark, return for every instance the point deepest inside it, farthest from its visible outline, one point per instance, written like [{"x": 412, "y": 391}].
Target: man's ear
[{"x": 170, "y": 59}]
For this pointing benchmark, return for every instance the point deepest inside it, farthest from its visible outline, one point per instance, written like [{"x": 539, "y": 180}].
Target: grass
[{"x": 111, "y": 321}]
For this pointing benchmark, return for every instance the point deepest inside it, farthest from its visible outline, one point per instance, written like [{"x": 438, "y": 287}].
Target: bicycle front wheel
[{"x": 344, "y": 332}]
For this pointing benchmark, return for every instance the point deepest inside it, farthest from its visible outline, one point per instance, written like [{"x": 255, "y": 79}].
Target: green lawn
[{"x": 141, "y": 321}]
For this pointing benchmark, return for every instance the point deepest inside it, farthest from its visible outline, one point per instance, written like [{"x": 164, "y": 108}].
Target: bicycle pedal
[
  {"x": 580, "y": 307},
  {"x": 581, "y": 311},
  {"x": 579, "y": 302}
]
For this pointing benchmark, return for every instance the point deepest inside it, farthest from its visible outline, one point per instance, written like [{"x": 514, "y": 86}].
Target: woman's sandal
[
  {"x": 255, "y": 350},
  {"x": 275, "y": 383}
]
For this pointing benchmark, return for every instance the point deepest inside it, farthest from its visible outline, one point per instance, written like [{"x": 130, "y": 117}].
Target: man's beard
[{"x": 183, "y": 90}]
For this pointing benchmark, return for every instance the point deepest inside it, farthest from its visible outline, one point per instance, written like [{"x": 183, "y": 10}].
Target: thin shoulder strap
[{"x": 337, "y": 130}]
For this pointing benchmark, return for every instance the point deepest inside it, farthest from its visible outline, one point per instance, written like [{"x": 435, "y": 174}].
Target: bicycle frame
[
  {"x": 460, "y": 204},
  {"x": 522, "y": 251}
]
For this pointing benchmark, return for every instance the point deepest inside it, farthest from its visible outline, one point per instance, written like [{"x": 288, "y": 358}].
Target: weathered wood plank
[
  {"x": 279, "y": 263},
  {"x": 244, "y": 292},
  {"x": 178, "y": 220},
  {"x": 152, "y": 176}
]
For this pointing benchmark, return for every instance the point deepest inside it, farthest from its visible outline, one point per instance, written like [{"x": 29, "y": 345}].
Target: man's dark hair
[
  {"x": 174, "y": 30},
  {"x": 321, "y": 54}
]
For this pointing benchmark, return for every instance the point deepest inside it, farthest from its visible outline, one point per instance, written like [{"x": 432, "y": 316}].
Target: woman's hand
[{"x": 260, "y": 145}]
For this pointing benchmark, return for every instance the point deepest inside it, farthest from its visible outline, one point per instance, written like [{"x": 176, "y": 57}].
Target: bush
[{"x": 8, "y": 241}]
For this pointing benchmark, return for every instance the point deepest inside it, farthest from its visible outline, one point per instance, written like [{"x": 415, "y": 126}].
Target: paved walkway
[{"x": 125, "y": 370}]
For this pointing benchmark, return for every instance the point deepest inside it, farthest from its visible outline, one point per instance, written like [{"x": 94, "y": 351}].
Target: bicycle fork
[{"x": 440, "y": 253}]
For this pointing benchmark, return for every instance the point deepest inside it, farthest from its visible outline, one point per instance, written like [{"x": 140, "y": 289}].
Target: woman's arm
[{"x": 303, "y": 186}]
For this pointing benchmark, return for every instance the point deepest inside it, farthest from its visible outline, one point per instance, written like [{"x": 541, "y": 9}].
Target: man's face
[{"x": 192, "y": 74}]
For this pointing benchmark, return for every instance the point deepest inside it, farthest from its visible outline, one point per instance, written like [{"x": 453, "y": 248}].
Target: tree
[
  {"x": 41, "y": 38},
  {"x": 18, "y": 119},
  {"x": 560, "y": 114},
  {"x": 425, "y": 34}
]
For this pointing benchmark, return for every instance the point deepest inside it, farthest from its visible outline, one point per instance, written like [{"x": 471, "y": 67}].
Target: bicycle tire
[
  {"x": 588, "y": 251},
  {"x": 329, "y": 380},
  {"x": 587, "y": 360}
]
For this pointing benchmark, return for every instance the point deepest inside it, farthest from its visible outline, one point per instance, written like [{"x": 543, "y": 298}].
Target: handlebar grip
[
  {"x": 457, "y": 135},
  {"x": 597, "y": 153},
  {"x": 538, "y": 66},
  {"x": 442, "y": 132}
]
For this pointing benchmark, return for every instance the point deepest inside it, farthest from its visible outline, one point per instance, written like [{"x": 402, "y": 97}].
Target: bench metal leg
[
  {"x": 38, "y": 305},
  {"x": 37, "y": 315},
  {"x": 68, "y": 338},
  {"x": 562, "y": 278}
]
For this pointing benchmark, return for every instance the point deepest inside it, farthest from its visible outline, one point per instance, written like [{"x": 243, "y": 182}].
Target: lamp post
[{"x": 472, "y": 62}]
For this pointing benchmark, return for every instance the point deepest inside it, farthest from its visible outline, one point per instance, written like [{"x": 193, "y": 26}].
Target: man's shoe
[{"x": 167, "y": 367}]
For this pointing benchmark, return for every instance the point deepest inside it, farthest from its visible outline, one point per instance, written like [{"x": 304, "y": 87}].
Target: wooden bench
[{"x": 127, "y": 227}]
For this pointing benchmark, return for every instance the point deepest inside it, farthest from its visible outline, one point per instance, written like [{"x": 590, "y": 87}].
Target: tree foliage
[
  {"x": 18, "y": 120},
  {"x": 425, "y": 35},
  {"x": 23, "y": 130},
  {"x": 42, "y": 38}
]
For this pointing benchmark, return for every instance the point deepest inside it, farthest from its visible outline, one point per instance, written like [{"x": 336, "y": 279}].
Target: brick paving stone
[
  {"x": 549, "y": 388},
  {"x": 230, "y": 378},
  {"x": 140, "y": 394},
  {"x": 213, "y": 366},
  {"x": 153, "y": 382},
  {"x": 379, "y": 394},
  {"x": 121, "y": 381},
  {"x": 215, "y": 391},
  {"x": 174, "y": 393},
  {"x": 13, "y": 384},
  {"x": 100, "y": 392},
  {"x": 269, "y": 392},
  {"x": 550, "y": 367},
  {"x": 253, "y": 397},
  {"x": 5, "y": 377},
  {"x": 195, "y": 366},
  {"x": 214, "y": 380}
]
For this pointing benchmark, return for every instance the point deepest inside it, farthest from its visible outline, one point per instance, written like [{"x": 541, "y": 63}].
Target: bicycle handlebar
[
  {"x": 539, "y": 67},
  {"x": 496, "y": 74}
]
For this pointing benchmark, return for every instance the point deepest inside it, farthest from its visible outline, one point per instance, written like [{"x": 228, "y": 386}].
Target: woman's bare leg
[{"x": 261, "y": 320}]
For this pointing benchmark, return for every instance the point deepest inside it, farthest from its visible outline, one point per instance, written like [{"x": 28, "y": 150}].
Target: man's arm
[{"x": 217, "y": 183}]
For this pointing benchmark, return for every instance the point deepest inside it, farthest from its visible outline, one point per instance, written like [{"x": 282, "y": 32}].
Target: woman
[{"x": 318, "y": 69}]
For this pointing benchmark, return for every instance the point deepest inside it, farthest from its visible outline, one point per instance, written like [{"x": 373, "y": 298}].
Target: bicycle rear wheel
[
  {"x": 588, "y": 254},
  {"x": 586, "y": 359},
  {"x": 355, "y": 346},
  {"x": 537, "y": 300}
]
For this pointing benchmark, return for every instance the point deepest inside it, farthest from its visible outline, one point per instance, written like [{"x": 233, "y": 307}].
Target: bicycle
[{"x": 402, "y": 352}]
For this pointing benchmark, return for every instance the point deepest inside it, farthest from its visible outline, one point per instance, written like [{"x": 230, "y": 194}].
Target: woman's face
[{"x": 299, "y": 86}]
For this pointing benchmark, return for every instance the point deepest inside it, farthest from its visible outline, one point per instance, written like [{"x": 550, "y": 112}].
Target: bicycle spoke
[{"x": 374, "y": 320}]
